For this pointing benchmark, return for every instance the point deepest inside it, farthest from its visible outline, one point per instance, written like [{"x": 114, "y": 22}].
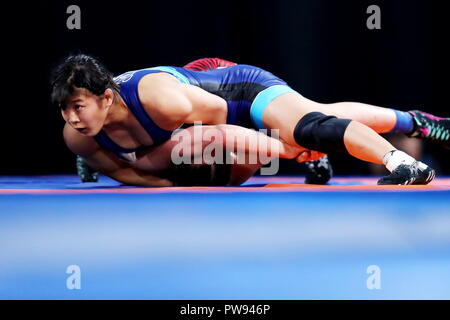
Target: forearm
[{"x": 135, "y": 177}]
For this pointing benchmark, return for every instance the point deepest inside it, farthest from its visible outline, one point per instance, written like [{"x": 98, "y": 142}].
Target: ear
[{"x": 109, "y": 96}]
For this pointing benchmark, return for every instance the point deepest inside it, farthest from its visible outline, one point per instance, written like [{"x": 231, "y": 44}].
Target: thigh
[{"x": 285, "y": 111}]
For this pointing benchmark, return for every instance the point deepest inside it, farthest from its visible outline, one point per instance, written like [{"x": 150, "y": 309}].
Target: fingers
[
  {"x": 316, "y": 155},
  {"x": 304, "y": 156},
  {"x": 309, "y": 155},
  {"x": 289, "y": 151}
]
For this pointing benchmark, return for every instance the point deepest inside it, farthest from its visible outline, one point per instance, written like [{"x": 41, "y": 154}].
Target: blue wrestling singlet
[{"x": 247, "y": 89}]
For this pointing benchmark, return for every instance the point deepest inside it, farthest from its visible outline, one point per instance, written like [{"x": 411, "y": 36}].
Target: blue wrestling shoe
[
  {"x": 86, "y": 173},
  {"x": 415, "y": 173},
  {"x": 318, "y": 171},
  {"x": 429, "y": 127}
]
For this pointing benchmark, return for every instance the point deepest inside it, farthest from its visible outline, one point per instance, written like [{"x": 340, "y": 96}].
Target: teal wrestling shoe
[{"x": 429, "y": 127}]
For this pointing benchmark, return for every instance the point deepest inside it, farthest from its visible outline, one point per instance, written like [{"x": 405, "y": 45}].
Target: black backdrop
[{"x": 322, "y": 48}]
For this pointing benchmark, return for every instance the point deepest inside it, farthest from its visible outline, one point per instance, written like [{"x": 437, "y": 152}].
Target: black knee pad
[{"x": 320, "y": 132}]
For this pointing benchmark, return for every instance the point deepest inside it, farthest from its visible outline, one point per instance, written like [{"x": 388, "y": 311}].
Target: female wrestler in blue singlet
[
  {"x": 134, "y": 116},
  {"x": 129, "y": 146}
]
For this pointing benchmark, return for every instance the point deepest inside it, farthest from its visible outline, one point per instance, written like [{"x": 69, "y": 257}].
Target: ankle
[
  {"x": 394, "y": 158},
  {"x": 404, "y": 122}
]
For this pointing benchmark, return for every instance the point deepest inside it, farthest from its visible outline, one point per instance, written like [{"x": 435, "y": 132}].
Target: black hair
[{"x": 79, "y": 71}]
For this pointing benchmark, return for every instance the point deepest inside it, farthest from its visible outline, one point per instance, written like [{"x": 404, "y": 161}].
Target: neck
[{"x": 117, "y": 115}]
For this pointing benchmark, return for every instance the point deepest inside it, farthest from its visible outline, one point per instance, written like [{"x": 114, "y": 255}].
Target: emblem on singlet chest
[
  {"x": 124, "y": 77},
  {"x": 131, "y": 156}
]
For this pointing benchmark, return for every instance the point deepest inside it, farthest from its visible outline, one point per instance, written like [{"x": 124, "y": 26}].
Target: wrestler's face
[{"x": 86, "y": 112}]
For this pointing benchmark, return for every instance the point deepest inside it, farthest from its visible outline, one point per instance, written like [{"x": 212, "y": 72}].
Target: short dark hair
[{"x": 80, "y": 71}]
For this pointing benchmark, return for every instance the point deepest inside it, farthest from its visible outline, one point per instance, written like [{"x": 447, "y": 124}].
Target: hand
[
  {"x": 288, "y": 151},
  {"x": 309, "y": 155}
]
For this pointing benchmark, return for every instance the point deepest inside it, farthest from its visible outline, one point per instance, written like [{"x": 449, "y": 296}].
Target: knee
[{"x": 317, "y": 131}]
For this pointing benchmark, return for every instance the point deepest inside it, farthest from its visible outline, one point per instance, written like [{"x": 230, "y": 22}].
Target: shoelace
[
  {"x": 415, "y": 169},
  {"x": 437, "y": 132}
]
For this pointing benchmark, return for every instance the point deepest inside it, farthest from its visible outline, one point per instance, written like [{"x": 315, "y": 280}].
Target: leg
[
  {"x": 379, "y": 119},
  {"x": 361, "y": 141},
  {"x": 298, "y": 119},
  {"x": 383, "y": 120}
]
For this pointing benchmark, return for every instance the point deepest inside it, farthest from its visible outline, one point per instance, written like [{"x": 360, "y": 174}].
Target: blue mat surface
[{"x": 238, "y": 245}]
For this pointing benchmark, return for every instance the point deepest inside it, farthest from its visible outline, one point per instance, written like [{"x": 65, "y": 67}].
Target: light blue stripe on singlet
[
  {"x": 263, "y": 99},
  {"x": 173, "y": 72}
]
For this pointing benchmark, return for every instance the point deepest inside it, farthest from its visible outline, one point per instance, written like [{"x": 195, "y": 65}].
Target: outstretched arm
[
  {"x": 197, "y": 141},
  {"x": 108, "y": 164},
  {"x": 120, "y": 171}
]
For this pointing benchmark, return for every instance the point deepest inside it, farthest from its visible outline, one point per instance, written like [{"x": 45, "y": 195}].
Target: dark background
[{"x": 322, "y": 48}]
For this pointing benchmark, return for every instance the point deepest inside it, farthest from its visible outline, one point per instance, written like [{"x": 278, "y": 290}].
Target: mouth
[{"x": 81, "y": 130}]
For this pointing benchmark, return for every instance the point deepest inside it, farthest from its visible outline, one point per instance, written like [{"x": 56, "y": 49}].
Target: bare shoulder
[
  {"x": 156, "y": 86},
  {"x": 163, "y": 98},
  {"x": 78, "y": 143},
  {"x": 160, "y": 79}
]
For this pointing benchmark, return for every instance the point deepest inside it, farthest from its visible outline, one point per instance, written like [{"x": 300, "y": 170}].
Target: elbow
[
  {"x": 221, "y": 110},
  {"x": 183, "y": 111},
  {"x": 176, "y": 116}
]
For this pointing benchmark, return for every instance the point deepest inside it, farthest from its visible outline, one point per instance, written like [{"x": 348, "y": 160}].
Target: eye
[{"x": 78, "y": 107}]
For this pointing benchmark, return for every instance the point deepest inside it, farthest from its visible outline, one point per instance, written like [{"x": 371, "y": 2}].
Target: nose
[{"x": 73, "y": 118}]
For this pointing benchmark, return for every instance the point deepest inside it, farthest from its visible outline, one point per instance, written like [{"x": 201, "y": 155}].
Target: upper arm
[{"x": 171, "y": 103}]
